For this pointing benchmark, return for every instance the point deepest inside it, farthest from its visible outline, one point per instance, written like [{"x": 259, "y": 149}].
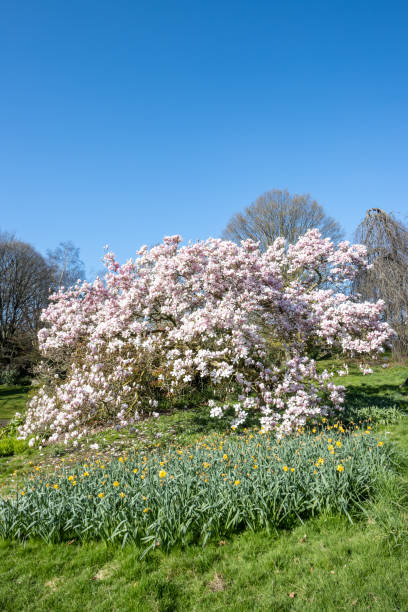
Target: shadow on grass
[
  {"x": 202, "y": 423},
  {"x": 197, "y": 420},
  {"x": 8, "y": 391},
  {"x": 381, "y": 396}
]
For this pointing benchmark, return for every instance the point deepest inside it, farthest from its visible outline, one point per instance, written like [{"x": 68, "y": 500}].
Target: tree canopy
[{"x": 279, "y": 214}]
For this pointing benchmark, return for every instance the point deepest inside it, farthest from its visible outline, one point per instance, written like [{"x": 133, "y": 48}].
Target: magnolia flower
[{"x": 209, "y": 311}]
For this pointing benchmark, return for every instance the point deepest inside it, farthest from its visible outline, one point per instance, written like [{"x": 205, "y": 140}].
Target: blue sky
[{"x": 124, "y": 121}]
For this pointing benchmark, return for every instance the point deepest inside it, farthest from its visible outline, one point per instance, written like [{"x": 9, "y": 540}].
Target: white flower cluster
[{"x": 209, "y": 311}]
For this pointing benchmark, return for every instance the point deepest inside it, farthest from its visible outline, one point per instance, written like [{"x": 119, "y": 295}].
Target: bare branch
[
  {"x": 386, "y": 239},
  {"x": 25, "y": 279},
  {"x": 280, "y": 214}
]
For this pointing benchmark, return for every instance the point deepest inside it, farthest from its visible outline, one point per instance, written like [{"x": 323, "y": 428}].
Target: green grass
[
  {"x": 326, "y": 563},
  {"x": 382, "y": 388},
  {"x": 12, "y": 400},
  {"x": 398, "y": 434}
]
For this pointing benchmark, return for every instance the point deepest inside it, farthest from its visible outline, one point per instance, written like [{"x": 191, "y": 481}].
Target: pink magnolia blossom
[{"x": 240, "y": 320}]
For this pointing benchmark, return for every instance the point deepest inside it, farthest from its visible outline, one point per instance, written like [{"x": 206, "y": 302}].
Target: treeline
[
  {"x": 27, "y": 278},
  {"x": 26, "y": 281}
]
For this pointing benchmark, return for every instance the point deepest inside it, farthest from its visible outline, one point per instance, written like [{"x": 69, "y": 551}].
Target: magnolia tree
[{"x": 243, "y": 321}]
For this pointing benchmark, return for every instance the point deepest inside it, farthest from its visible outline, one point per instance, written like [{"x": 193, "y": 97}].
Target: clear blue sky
[{"x": 124, "y": 121}]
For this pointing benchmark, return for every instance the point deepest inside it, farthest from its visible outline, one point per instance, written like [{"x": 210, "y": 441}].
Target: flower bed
[{"x": 191, "y": 494}]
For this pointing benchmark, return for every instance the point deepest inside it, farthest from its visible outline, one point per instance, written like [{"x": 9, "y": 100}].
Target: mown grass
[
  {"x": 326, "y": 563},
  {"x": 384, "y": 388},
  {"x": 12, "y": 400}
]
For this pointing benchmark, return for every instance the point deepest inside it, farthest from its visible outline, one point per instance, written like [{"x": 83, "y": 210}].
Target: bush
[
  {"x": 11, "y": 429},
  {"x": 11, "y": 446},
  {"x": 240, "y": 321},
  {"x": 9, "y": 376}
]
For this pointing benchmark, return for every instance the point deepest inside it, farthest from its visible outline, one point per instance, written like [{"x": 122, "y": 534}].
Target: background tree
[
  {"x": 25, "y": 280},
  {"x": 66, "y": 264},
  {"x": 279, "y": 214},
  {"x": 386, "y": 239}
]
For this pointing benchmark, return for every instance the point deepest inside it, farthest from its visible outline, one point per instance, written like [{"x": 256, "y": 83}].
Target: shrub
[
  {"x": 242, "y": 321},
  {"x": 9, "y": 376},
  {"x": 11, "y": 446}
]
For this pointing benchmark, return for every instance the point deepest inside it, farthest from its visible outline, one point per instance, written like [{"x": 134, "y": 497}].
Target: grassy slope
[
  {"x": 337, "y": 566},
  {"x": 382, "y": 388},
  {"x": 12, "y": 399}
]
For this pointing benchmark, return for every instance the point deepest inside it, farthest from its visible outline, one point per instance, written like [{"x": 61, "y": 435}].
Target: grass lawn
[
  {"x": 12, "y": 400},
  {"x": 323, "y": 564},
  {"x": 382, "y": 388}
]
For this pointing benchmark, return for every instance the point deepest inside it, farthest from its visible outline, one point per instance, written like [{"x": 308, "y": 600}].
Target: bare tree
[
  {"x": 66, "y": 263},
  {"x": 278, "y": 213},
  {"x": 25, "y": 279},
  {"x": 386, "y": 239}
]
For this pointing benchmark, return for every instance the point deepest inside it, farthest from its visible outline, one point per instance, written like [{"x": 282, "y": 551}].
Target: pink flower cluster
[{"x": 242, "y": 321}]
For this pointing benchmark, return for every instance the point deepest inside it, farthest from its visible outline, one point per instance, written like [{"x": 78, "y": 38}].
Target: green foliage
[
  {"x": 10, "y": 430},
  {"x": 12, "y": 446},
  {"x": 210, "y": 490},
  {"x": 388, "y": 415},
  {"x": 9, "y": 376}
]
